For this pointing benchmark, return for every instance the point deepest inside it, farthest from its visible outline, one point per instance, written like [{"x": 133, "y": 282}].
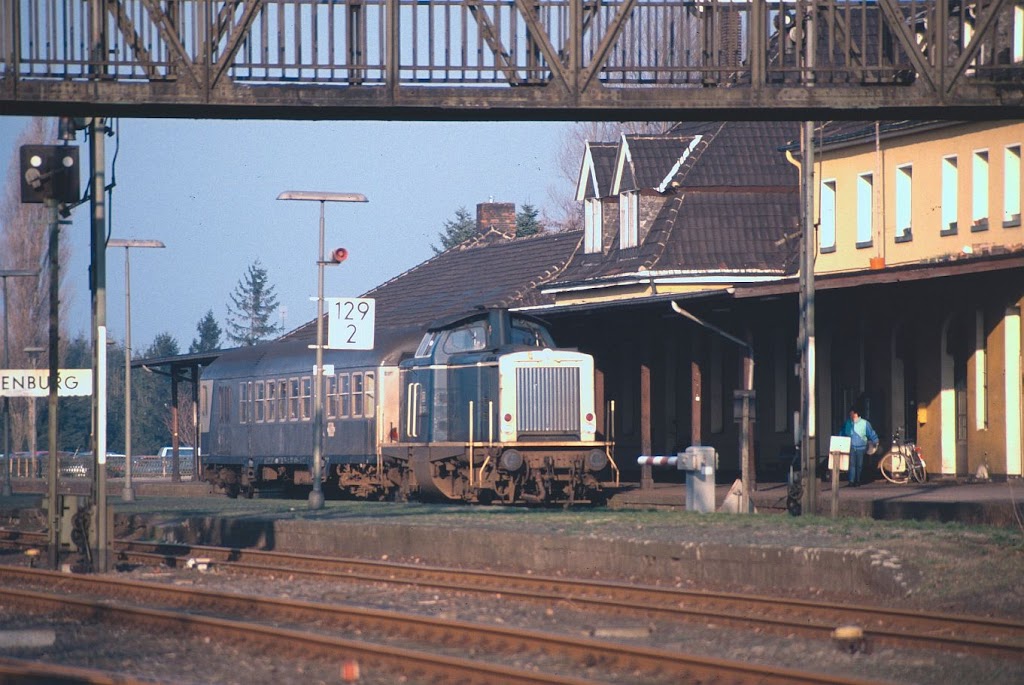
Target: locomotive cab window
[
  {"x": 530, "y": 334},
  {"x": 466, "y": 338},
  {"x": 426, "y": 347}
]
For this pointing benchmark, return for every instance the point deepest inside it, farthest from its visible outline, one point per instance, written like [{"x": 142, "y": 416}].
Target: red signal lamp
[{"x": 338, "y": 255}]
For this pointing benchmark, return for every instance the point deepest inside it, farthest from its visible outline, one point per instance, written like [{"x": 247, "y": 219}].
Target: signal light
[
  {"x": 338, "y": 255},
  {"x": 49, "y": 172}
]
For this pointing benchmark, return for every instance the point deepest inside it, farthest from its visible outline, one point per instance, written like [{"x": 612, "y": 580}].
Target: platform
[{"x": 984, "y": 503}]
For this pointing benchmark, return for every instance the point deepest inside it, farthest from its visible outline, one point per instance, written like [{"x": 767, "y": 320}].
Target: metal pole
[
  {"x": 33, "y": 443},
  {"x": 128, "y": 493},
  {"x": 52, "y": 470},
  {"x": 7, "y": 490},
  {"x": 97, "y": 153},
  {"x": 807, "y": 442},
  {"x": 316, "y": 497}
]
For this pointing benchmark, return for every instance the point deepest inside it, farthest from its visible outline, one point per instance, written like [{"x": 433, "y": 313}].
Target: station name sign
[{"x": 36, "y": 382}]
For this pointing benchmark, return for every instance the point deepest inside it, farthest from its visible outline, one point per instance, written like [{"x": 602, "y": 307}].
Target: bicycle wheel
[
  {"x": 893, "y": 468},
  {"x": 917, "y": 469}
]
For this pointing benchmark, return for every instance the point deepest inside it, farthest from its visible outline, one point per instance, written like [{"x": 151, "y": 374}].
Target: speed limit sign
[{"x": 350, "y": 323}]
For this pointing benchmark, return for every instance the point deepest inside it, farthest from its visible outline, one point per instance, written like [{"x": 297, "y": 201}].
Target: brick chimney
[{"x": 500, "y": 216}]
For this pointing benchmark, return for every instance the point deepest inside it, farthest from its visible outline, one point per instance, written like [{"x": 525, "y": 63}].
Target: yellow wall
[{"x": 925, "y": 151}]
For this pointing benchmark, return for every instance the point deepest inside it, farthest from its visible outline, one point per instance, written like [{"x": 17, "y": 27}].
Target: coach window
[
  {"x": 307, "y": 402},
  {"x": 370, "y": 383},
  {"x": 282, "y": 400},
  {"x": 223, "y": 399},
  {"x": 344, "y": 387},
  {"x": 293, "y": 399},
  {"x": 258, "y": 402},
  {"x": 331, "y": 394},
  {"x": 271, "y": 401},
  {"x": 243, "y": 402},
  {"x": 357, "y": 395}
]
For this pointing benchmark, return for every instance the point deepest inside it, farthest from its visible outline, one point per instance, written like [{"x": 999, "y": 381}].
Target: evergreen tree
[
  {"x": 527, "y": 222},
  {"x": 456, "y": 230},
  {"x": 254, "y": 304},
  {"x": 209, "y": 334}
]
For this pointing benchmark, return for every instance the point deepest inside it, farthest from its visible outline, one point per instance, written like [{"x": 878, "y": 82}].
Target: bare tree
[
  {"x": 568, "y": 213},
  {"x": 186, "y": 417},
  {"x": 23, "y": 245}
]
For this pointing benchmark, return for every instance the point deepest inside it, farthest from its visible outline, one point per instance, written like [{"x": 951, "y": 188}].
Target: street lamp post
[
  {"x": 33, "y": 459},
  {"x": 4, "y": 275},
  {"x": 316, "y": 497},
  {"x": 128, "y": 493}
]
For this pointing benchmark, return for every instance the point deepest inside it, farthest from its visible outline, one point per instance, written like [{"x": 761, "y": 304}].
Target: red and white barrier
[{"x": 657, "y": 461}]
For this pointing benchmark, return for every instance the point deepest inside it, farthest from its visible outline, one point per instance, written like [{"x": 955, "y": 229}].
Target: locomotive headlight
[{"x": 596, "y": 460}]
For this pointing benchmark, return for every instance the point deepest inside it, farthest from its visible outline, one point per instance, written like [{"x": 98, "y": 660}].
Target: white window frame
[
  {"x": 827, "y": 216},
  {"x": 1011, "y": 185},
  {"x": 592, "y": 220},
  {"x": 865, "y": 209},
  {"x": 629, "y": 219},
  {"x": 904, "y": 202},
  {"x": 950, "y": 198},
  {"x": 1018, "y": 34},
  {"x": 979, "y": 190}
]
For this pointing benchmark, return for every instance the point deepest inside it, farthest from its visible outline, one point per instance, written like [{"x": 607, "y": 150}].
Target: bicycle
[{"x": 903, "y": 462}]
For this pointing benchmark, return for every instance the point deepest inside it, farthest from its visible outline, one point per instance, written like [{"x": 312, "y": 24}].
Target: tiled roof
[
  {"x": 737, "y": 200},
  {"x": 732, "y": 230},
  {"x": 603, "y": 155},
  {"x": 478, "y": 273},
  {"x": 652, "y": 157}
]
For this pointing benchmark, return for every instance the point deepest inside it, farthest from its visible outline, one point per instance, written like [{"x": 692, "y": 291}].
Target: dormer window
[
  {"x": 629, "y": 219},
  {"x": 592, "y": 220}
]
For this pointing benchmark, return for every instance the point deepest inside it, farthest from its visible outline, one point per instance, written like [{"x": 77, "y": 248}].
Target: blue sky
[{"x": 207, "y": 189}]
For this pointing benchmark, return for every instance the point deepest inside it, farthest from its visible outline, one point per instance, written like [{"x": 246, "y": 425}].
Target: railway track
[
  {"x": 882, "y": 625},
  {"x": 434, "y": 649}
]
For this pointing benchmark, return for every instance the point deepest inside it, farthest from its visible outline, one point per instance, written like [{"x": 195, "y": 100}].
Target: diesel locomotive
[{"x": 481, "y": 407}]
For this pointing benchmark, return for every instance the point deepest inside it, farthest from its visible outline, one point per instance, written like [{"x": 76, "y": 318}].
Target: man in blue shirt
[{"x": 861, "y": 435}]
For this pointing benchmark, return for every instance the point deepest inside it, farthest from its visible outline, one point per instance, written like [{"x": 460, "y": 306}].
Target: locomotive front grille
[{"x": 548, "y": 400}]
